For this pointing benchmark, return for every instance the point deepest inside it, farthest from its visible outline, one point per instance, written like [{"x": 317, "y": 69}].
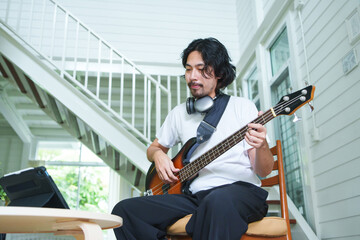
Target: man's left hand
[{"x": 256, "y": 135}]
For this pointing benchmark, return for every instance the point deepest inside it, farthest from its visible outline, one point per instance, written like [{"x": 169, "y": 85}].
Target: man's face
[{"x": 199, "y": 85}]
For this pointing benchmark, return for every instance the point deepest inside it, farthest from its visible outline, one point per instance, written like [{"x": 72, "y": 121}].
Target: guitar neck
[{"x": 199, "y": 163}]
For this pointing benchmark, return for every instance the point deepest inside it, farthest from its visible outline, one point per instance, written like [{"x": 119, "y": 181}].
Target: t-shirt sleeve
[{"x": 168, "y": 135}]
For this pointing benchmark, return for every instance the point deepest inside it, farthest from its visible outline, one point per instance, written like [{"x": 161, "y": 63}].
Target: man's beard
[{"x": 197, "y": 93}]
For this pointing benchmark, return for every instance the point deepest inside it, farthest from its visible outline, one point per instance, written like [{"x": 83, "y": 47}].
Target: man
[{"x": 225, "y": 195}]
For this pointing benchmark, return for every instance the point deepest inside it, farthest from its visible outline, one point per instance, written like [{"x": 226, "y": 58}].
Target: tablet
[{"x": 32, "y": 187}]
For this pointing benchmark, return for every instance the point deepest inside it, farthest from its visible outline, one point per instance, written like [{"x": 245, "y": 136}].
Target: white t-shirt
[{"x": 234, "y": 165}]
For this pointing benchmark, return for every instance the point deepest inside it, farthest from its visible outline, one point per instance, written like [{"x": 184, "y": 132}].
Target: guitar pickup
[{"x": 148, "y": 193}]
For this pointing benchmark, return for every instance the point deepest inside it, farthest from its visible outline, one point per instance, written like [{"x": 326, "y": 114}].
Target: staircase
[{"x": 83, "y": 85}]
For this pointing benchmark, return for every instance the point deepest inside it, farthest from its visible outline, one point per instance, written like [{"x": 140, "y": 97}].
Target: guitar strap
[
  {"x": 205, "y": 130},
  {"x": 208, "y": 125}
]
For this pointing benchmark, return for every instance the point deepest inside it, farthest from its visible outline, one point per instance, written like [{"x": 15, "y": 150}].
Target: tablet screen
[{"x": 32, "y": 187}]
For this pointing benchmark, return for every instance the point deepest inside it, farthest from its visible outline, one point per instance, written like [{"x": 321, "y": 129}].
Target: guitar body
[{"x": 158, "y": 187}]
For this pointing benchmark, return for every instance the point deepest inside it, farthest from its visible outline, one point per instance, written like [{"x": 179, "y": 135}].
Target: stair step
[{"x": 273, "y": 213}]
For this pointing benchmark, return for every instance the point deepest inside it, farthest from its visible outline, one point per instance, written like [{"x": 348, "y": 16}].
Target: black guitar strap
[
  {"x": 208, "y": 126},
  {"x": 205, "y": 130}
]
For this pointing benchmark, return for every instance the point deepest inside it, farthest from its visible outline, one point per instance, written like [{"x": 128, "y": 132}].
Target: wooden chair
[{"x": 269, "y": 228}]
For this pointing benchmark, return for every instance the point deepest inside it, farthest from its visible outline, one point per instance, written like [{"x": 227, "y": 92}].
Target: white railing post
[
  {"x": 149, "y": 111},
  {"x": 64, "y": 44},
  {"x": 98, "y": 71},
  {"x": 169, "y": 92},
  {"x": 30, "y": 21},
  {"x": 110, "y": 78},
  {"x": 7, "y": 11},
  {"x": 42, "y": 25},
  {"x": 53, "y": 32},
  {"x": 158, "y": 104},
  {"x": 145, "y": 104},
  {"x": 18, "y": 18},
  {"x": 235, "y": 88},
  {"x": 178, "y": 90},
  {"x": 122, "y": 87},
  {"x": 87, "y": 59},
  {"x": 133, "y": 99},
  {"x": 76, "y": 49}
]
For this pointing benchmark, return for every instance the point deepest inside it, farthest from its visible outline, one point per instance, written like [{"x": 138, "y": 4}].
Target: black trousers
[{"x": 220, "y": 213}]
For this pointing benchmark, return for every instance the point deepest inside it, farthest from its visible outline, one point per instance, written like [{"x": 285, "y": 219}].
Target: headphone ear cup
[{"x": 190, "y": 105}]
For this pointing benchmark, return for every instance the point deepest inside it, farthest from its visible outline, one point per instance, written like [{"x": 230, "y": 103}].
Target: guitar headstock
[{"x": 290, "y": 103}]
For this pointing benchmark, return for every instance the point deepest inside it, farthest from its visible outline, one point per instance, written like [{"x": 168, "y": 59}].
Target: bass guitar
[{"x": 287, "y": 105}]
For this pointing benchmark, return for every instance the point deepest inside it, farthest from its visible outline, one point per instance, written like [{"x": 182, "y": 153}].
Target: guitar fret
[{"x": 263, "y": 123}]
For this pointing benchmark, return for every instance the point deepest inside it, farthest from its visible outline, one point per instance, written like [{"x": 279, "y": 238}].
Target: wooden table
[{"x": 82, "y": 225}]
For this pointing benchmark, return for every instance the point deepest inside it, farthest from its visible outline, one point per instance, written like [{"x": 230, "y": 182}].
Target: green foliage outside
[
  {"x": 93, "y": 192},
  {"x": 3, "y": 196}
]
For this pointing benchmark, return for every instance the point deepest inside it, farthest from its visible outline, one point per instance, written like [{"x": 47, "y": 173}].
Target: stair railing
[{"x": 135, "y": 99}]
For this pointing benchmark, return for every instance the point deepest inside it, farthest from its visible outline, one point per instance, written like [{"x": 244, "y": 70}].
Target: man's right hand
[{"x": 164, "y": 166}]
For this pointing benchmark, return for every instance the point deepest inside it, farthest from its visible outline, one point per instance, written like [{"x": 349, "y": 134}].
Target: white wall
[
  {"x": 11, "y": 150},
  {"x": 157, "y": 31},
  {"x": 335, "y": 157},
  {"x": 333, "y": 160},
  {"x": 246, "y": 22},
  {"x": 266, "y": 4}
]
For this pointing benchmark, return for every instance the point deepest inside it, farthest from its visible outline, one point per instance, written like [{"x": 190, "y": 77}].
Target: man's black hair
[{"x": 215, "y": 55}]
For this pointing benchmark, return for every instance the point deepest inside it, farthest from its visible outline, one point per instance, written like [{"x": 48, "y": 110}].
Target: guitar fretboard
[{"x": 199, "y": 163}]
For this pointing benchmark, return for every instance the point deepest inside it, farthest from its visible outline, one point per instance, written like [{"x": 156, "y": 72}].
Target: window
[
  {"x": 279, "y": 52},
  {"x": 286, "y": 131},
  {"x": 285, "y": 128},
  {"x": 253, "y": 87},
  {"x": 80, "y": 175}
]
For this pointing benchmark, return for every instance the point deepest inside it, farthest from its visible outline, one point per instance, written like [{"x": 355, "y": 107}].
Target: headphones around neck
[{"x": 200, "y": 105}]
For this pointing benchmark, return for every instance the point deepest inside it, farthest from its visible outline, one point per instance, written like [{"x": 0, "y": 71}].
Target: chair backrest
[{"x": 279, "y": 179}]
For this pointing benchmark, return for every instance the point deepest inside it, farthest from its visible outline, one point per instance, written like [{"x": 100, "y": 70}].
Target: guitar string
[
  {"x": 269, "y": 116},
  {"x": 267, "y": 113}
]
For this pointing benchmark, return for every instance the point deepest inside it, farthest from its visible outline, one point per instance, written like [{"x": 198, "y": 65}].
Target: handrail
[
  {"x": 83, "y": 58},
  {"x": 76, "y": 83}
]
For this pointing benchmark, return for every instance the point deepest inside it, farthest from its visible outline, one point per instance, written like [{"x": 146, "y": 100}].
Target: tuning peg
[
  {"x": 289, "y": 90},
  {"x": 311, "y": 106},
  {"x": 296, "y": 118}
]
